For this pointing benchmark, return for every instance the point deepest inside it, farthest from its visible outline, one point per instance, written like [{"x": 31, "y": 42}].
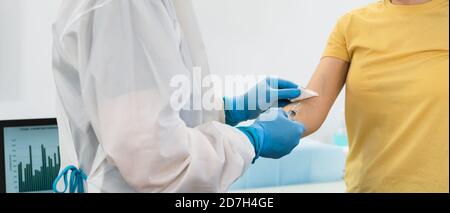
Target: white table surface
[{"x": 333, "y": 187}]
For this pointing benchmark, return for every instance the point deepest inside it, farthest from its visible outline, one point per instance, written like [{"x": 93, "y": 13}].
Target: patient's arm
[{"x": 328, "y": 81}]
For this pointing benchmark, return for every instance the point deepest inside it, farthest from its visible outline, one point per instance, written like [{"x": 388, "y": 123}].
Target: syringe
[{"x": 293, "y": 112}]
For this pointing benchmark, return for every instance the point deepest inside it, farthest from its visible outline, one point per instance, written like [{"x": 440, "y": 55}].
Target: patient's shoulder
[{"x": 367, "y": 11}]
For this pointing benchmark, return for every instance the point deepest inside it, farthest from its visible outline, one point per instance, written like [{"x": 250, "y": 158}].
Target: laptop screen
[{"x": 31, "y": 158}]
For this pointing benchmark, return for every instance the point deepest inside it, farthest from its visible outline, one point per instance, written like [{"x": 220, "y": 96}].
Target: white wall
[
  {"x": 278, "y": 37},
  {"x": 26, "y": 84}
]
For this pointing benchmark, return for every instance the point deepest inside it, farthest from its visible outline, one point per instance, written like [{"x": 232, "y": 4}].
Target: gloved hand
[
  {"x": 268, "y": 93},
  {"x": 276, "y": 137}
]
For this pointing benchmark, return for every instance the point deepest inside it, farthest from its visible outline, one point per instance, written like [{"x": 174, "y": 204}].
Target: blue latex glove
[
  {"x": 272, "y": 92},
  {"x": 276, "y": 137}
]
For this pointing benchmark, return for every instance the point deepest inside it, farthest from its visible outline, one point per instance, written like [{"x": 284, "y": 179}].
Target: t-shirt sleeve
[{"x": 337, "y": 42}]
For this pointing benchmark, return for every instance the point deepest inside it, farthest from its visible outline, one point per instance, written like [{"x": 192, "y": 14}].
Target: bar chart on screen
[{"x": 32, "y": 158}]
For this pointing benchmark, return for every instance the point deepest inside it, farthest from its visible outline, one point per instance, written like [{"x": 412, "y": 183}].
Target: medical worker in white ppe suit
[{"x": 113, "y": 61}]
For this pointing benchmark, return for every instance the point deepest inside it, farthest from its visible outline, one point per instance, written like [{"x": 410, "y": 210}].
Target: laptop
[{"x": 29, "y": 155}]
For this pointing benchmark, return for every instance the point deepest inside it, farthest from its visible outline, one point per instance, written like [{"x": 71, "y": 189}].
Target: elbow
[
  {"x": 133, "y": 173},
  {"x": 314, "y": 129},
  {"x": 311, "y": 128},
  {"x": 309, "y": 131}
]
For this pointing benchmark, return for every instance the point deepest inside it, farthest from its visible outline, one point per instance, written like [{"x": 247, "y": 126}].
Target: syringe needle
[{"x": 293, "y": 112}]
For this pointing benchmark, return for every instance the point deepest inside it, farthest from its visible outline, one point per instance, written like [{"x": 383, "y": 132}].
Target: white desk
[{"x": 334, "y": 187}]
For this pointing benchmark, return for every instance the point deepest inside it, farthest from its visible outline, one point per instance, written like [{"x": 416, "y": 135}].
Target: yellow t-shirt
[{"x": 397, "y": 96}]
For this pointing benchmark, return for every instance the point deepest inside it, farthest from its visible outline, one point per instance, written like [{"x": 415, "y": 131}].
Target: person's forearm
[{"x": 328, "y": 81}]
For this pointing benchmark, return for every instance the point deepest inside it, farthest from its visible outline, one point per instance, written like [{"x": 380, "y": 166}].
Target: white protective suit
[{"x": 113, "y": 61}]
